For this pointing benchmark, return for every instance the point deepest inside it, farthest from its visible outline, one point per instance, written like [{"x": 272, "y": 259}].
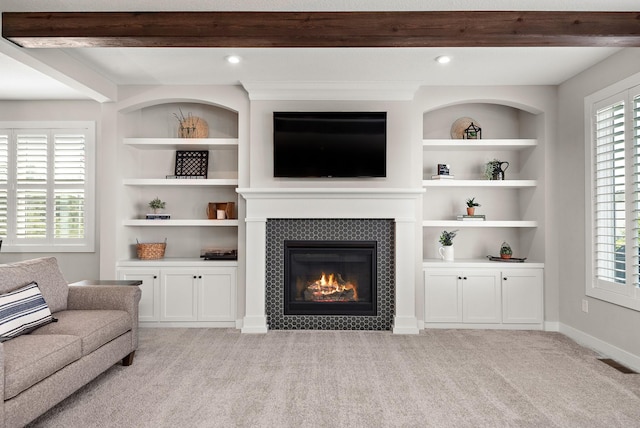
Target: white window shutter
[{"x": 609, "y": 186}]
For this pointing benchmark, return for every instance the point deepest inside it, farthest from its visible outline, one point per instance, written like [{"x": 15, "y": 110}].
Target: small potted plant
[
  {"x": 156, "y": 204},
  {"x": 446, "y": 239},
  {"x": 505, "y": 251},
  {"x": 471, "y": 206}
]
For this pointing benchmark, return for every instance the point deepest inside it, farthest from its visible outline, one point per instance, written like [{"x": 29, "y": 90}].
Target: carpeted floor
[{"x": 440, "y": 378}]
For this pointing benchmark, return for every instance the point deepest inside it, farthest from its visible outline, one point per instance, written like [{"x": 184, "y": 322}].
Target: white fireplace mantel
[{"x": 399, "y": 204}]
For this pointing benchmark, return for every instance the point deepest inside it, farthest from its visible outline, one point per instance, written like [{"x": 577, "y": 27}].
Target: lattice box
[{"x": 190, "y": 163}]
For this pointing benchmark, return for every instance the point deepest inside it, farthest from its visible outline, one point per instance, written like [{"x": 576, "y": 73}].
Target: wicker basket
[{"x": 151, "y": 251}]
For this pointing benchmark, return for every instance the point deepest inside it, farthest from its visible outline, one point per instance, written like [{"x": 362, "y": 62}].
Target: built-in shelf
[
  {"x": 517, "y": 184},
  {"x": 501, "y": 144},
  {"x": 180, "y": 222},
  {"x": 479, "y": 223},
  {"x": 182, "y": 143},
  {"x": 180, "y": 182},
  {"x": 481, "y": 263},
  {"x": 189, "y": 262}
]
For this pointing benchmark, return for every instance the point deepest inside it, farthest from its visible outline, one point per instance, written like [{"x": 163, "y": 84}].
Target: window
[
  {"x": 47, "y": 186},
  {"x": 614, "y": 192}
]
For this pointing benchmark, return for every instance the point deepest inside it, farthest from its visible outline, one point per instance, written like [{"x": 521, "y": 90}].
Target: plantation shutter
[
  {"x": 4, "y": 182},
  {"x": 31, "y": 186},
  {"x": 635, "y": 131},
  {"x": 69, "y": 178},
  {"x": 609, "y": 194}
]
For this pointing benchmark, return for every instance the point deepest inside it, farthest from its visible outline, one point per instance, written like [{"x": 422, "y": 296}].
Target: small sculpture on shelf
[
  {"x": 190, "y": 126},
  {"x": 472, "y": 132}
]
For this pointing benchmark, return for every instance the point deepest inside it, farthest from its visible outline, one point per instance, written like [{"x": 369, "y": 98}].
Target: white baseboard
[
  {"x": 605, "y": 349},
  {"x": 551, "y": 326}
]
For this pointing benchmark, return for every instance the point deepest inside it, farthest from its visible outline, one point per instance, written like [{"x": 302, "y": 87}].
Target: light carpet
[{"x": 439, "y": 378}]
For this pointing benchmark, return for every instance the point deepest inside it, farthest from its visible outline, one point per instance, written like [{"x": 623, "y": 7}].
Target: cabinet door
[
  {"x": 178, "y": 295},
  {"x": 522, "y": 296},
  {"x": 481, "y": 301},
  {"x": 149, "y": 308},
  {"x": 442, "y": 296},
  {"x": 216, "y": 294}
]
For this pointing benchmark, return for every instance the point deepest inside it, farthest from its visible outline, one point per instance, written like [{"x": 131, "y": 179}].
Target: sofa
[{"x": 81, "y": 331}]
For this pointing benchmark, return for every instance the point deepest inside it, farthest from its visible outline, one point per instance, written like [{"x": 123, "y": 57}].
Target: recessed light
[
  {"x": 233, "y": 59},
  {"x": 443, "y": 59}
]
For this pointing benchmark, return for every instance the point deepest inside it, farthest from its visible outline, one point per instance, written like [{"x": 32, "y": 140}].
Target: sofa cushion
[
  {"x": 28, "y": 359},
  {"x": 21, "y": 311},
  {"x": 93, "y": 327},
  {"x": 43, "y": 271}
]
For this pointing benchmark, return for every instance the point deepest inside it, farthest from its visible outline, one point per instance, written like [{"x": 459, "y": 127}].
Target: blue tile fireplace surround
[{"x": 381, "y": 231}]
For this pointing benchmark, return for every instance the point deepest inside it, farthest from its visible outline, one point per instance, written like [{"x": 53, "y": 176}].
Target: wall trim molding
[{"x": 602, "y": 347}]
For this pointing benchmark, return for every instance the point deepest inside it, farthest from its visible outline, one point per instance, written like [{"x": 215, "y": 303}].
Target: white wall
[
  {"x": 605, "y": 322},
  {"x": 401, "y": 139},
  {"x": 74, "y": 266}
]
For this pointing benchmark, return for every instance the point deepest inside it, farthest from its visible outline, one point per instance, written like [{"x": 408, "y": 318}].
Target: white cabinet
[
  {"x": 216, "y": 289},
  {"x": 178, "y": 295},
  {"x": 481, "y": 296},
  {"x": 522, "y": 296},
  {"x": 443, "y": 295},
  {"x": 149, "y": 307},
  {"x": 185, "y": 295},
  {"x": 485, "y": 297},
  {"x": 456, "y": 296}
]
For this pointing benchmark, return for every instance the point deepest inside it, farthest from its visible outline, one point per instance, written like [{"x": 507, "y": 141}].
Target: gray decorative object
[{"x": 380, "y": 230}]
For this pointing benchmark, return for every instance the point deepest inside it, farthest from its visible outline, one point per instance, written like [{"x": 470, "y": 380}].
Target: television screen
[{"x": 330, "y": 144}]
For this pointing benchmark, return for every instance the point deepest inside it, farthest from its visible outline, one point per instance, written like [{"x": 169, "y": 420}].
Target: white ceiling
[{"x": 26, "y": 74}]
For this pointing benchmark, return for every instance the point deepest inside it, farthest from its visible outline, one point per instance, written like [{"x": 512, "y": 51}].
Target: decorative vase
[
  {"x": 446, "y": 253},
  {"x": 471, "y": 210}
]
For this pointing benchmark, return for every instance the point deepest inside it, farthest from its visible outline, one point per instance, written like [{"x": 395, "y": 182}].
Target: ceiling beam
[{"x": 321, "y": 29}]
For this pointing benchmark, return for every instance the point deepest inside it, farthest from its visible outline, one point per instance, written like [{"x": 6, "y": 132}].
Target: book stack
[
  {"x": 477, "y": 217},
  {"x": 186, "y": 177},
  {"x": 158, "y": 216},
  {"x": 442, "y": 177}
]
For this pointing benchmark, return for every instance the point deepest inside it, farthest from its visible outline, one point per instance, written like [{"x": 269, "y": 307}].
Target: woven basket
[
  {"x": 151, "y": 251},
  {"x": 193, "y": 127}
]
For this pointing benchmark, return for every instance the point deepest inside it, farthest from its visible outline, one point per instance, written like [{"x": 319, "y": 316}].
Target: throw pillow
[{"x": 22, "y": 311}]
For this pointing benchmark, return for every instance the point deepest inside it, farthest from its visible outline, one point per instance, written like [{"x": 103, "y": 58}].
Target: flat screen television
[{"x": 329, "y": 144}]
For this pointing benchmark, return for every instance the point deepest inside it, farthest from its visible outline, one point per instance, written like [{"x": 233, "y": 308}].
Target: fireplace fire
[
  {"x": 331, "y": 289},
  {"x": 330, "y": 278}
]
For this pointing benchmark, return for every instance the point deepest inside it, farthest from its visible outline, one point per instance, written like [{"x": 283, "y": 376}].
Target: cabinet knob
[
  {"x": 505, "y": 278},
  {"x": 194, "y": 277},
  {"x": 199, "y": 276},
  {"x": 459, "y": 277},
  {"x": 155, "y": 276},
  {"x": 464, "y": 277}
]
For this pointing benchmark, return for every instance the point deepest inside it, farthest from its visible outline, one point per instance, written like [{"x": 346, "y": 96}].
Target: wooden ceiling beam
[{"x": 321, "y": 29}]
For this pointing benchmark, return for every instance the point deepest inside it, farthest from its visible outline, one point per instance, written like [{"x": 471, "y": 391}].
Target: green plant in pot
[
  {"x": 156, "y": 204},
  {"x": 471, "y": 206},
  {"x": 505, "y": 251},
  {"x": 446, "y": 239}
]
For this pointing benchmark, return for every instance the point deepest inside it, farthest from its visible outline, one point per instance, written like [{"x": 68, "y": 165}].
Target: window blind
[
  {"x": 31, "y": 185},
  {"x": 609, "y": 186},
  {"x": 69, "y": 195},
  {"x": 635, "y": 130},
  {"x": 4, "y": 182}
]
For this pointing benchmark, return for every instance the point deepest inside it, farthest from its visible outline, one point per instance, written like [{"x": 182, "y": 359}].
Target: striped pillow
[{"x": 22, "y": 311}]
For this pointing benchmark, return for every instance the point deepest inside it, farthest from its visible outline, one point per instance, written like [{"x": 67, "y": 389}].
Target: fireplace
[
  {"x": 384, "y": 215},
  {"x": 330, "y": 278}
]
